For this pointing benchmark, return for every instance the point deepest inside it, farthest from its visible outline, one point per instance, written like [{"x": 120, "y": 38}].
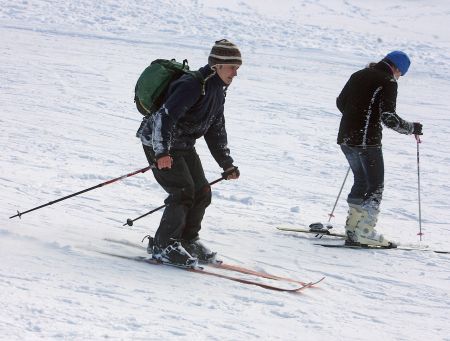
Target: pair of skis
[
  {"x": 206, "y": 269},
  {"x": 320, "y": 230}
]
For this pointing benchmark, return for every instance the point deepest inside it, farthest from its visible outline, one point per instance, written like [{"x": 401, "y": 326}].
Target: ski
[
  {"x": 318, "y": 233},
  {"x": 202, "y": 270},
  {"x": 373, "y": 247},
  {"x": 325, "y": 232},
  {"x": 246, "y": 271},
  {"x": 229, "y": 267}
]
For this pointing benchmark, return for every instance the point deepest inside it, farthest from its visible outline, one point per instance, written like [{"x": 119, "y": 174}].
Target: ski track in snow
[{"x": 68, "y": 123}]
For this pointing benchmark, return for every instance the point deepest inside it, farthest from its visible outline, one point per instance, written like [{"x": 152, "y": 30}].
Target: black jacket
[
  {"x": 367, "y": 100},
  {"x": 187, "y": 115}
]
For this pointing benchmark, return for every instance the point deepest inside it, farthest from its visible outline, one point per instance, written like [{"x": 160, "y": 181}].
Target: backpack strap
[{"x": 198, "y": 76}]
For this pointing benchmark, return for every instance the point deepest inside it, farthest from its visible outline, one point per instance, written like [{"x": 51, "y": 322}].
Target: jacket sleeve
[
  {"x": 182, "y": 95},
  {"x": 342, "y": 98},
  {"x": 216, "y": 139},
  {"x": 388, "y": 115}
]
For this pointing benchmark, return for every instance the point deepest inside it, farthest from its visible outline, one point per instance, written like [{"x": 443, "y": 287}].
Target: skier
[
  {"x": 168, "y": 138},
  {"x": 367, "y": 100}
]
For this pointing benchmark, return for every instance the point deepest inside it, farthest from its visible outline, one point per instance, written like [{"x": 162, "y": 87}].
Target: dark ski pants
[
  {"x": 368, "y": 171},
  {"x": 189, "y": 196}
]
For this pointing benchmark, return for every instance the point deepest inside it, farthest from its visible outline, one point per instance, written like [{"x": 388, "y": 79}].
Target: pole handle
[{"x": 417, "y": 137}]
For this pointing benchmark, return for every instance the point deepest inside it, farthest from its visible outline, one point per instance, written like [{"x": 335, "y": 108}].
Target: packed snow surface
[{"x": 68, "y": 70}]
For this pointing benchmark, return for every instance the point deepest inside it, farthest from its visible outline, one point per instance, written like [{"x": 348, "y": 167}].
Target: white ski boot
[
  {"x": 355, "y": 214},
  {"x": 365, "y": 233}
]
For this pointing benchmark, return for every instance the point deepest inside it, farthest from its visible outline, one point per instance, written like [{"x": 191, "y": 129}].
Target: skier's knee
[
  {"x": 204, "y": 195},
  {"x": 183, "y": 196}
]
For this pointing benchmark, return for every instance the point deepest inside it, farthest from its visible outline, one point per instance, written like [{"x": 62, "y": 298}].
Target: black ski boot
[
  {"x": 197, "y": 249},
  {"x": 174, "y": 254}
]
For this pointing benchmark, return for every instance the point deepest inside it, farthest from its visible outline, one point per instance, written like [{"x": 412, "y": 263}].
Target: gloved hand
[
  {"x": 417, "y": 128},
  {"x": 231, "y": 173}
]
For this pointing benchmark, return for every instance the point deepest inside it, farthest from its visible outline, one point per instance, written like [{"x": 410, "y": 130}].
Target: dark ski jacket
[
  {"x": 187, "y": 115},
  {"x": 367, "y": 100}
]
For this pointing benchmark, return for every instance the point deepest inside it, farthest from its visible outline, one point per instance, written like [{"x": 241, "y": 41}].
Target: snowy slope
[{"x": 67, "y": 75}]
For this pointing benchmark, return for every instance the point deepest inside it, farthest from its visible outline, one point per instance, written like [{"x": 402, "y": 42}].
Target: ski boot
[
  {"x": 365, "y": 233},
  {"x": 197, "y": 249},
  {"x": 173, "y": 254},
  {"x": 355, "y": 214}
]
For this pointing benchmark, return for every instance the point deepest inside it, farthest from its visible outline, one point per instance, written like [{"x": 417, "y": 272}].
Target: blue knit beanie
[{"x": 400, "y": 60}]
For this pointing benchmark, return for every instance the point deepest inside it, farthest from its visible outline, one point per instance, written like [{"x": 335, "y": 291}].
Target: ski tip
[{"x": 311, "y": 284}]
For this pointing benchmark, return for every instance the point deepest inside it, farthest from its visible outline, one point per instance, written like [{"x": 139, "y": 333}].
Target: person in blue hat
[
  {"x": 367, "y": 102},
  {"x": 399, "y": 62}
]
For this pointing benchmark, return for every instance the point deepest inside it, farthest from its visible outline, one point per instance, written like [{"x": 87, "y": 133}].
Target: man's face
[{"x": 227, "y": 72}]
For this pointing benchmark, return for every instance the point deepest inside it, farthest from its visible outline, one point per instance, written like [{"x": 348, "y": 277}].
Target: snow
[{"x": 68, "y": 123}]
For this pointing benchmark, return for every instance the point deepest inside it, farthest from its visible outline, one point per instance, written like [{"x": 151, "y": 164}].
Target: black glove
[
  {"x": 417, "y": 128},
  {"x": 231, "y": 173}
]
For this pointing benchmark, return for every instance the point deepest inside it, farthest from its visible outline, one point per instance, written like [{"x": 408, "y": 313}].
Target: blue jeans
[{"x": 368, "y": 171}]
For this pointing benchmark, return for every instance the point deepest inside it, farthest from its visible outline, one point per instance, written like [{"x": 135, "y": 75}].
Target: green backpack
[{"x": 154, "y": 82}]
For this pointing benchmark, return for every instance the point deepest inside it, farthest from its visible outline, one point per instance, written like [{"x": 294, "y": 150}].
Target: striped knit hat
[{"x": 224, "y": 52}]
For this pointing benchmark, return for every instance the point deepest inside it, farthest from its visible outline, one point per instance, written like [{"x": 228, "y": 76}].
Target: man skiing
[
  {"x": 367, "y": 100},
  {"x": 189, "y": 112}
]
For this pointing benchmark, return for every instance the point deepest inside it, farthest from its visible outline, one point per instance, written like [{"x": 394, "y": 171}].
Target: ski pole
[
  {"x": 223, "y": 177},
  {"x": 339, "y": 194},
  {"x": 143, "y": 170},
  {"x": 418, "y": 186}
]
